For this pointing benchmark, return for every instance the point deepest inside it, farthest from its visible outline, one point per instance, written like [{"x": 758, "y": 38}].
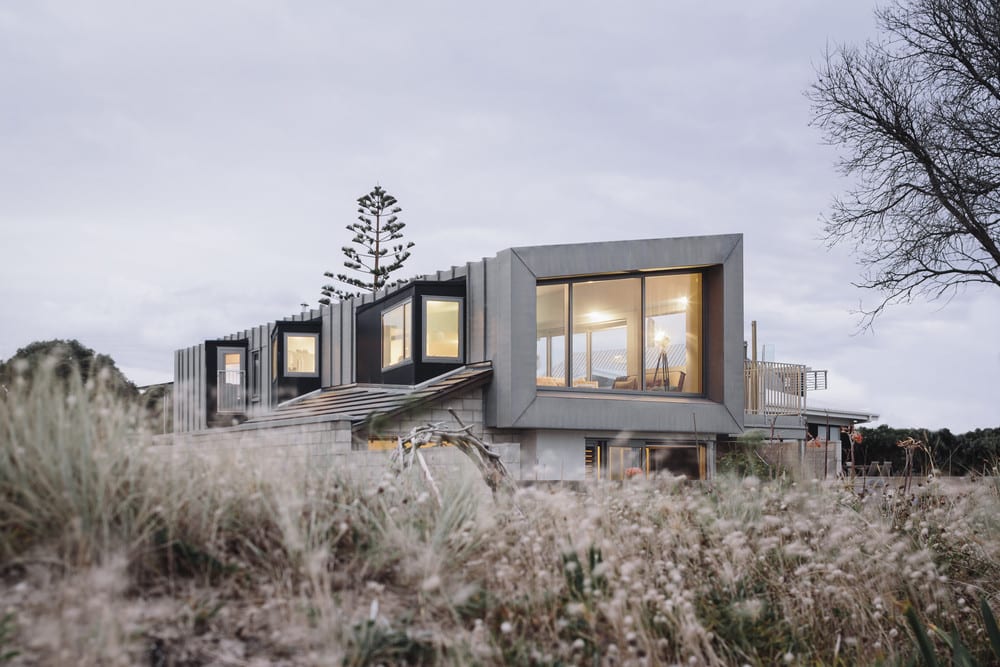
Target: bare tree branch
[{"x": 918, "y": 115}]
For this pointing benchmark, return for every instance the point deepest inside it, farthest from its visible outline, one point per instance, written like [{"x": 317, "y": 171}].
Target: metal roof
[{"x": 358, "y": 402}]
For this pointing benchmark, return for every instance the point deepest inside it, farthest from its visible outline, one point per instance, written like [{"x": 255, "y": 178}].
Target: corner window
[
  {"x": 443, "y": 329},
  {"x": 301, "y": 354},
  {"x": 396, "y": 325}
]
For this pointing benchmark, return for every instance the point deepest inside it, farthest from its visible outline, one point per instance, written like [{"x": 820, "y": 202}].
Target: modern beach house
[{"x": 592, "y": 360}]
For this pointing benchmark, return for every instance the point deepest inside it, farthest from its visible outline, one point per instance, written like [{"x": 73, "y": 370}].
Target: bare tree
[
  {"x": 918, "y": 116},
  {"x": 377, "y": 227}
]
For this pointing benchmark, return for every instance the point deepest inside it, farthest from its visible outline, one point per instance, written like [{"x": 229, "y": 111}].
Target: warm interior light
[{"x": 662, "y": 339}]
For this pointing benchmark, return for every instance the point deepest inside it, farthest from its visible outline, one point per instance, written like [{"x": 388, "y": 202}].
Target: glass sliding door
[{"x": 621, "y": 460}]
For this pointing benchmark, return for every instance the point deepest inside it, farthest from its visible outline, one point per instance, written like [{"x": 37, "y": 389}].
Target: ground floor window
[{"x": 615, "y": 460}]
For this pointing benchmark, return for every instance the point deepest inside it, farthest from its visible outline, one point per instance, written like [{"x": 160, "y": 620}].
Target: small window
[
  {"x": 230, "y": 395},
  {"x": 233, "y": 364},
  {"x": 396, "y": 324},
  {"x": 442, "y": 329},
  {"x": 301, "y": 354},
  {"x": 274, "y": 359}
]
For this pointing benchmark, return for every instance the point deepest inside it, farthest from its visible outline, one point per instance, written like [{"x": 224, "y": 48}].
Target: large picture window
[
  {"x": 301, "y": 358},
  {"x": 396, "y": 325},
  {"x": 442, "y": 329},
  {"x": 627, "y": 334}
]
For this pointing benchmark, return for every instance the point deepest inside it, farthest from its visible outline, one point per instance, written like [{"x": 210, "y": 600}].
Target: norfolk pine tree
[{"x": 376, "y": 229}]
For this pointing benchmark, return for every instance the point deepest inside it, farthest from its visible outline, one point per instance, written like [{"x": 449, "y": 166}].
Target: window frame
[
  {"x": 255, "y": 375},
  {"x": 222, "y": 380},
  {"x": 274, "y": 358},
  {"x": 461, "y": 329},
  {"x": 407, "y": 334},
  {"x": 643, "y": 275},
  {"x": 284, "y": 366}
]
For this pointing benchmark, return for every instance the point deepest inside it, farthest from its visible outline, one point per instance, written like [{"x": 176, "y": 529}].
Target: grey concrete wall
[
  {"x": 323, "y": 444},
  {"x": 559, "y": 455},
  {"x": 320, "y": 438}
]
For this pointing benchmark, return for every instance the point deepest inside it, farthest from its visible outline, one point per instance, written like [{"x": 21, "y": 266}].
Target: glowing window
[
  {"x": 396, "y": 324},
  {"x": 233, "y": 365},
  {"x": 443, "y": 329},
  {"x": 551, "y": 306},
  {"x": 626, "y": 334},
  {"x": 300, "y": 354}
]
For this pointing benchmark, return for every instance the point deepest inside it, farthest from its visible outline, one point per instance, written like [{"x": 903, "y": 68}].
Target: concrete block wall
[
  {"x": 278, "y": 442},
  {"x": 332, "y": 443},
  {"x": 445, "y": 463},
  {"x": 469, "y": 408}
]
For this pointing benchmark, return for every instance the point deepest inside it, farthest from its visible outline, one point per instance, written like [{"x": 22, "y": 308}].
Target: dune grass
[{"x": 116, "y": 552}]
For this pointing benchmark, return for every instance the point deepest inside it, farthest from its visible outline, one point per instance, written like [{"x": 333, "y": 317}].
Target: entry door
[{"x": 231, "y": 380}]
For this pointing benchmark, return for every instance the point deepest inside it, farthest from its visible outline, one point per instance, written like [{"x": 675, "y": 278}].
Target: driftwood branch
[{"x": 488, "y": 462}]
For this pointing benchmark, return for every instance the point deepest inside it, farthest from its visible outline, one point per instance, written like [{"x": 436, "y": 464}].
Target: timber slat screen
[{"x": 774, "y": 389}]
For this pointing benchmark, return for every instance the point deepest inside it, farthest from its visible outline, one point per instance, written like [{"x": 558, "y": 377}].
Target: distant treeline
[
  {"x": 70, "y": 358},
  {"x": 954, "y": 454}
]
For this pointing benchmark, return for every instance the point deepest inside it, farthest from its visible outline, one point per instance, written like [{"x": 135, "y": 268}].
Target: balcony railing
[
  {"x": 231, "y": 391},
  {"x": 774, "y": 389}
]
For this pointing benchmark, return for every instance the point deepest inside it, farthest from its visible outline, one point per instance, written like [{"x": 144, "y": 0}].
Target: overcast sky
[{"x": 172, "y": 172}]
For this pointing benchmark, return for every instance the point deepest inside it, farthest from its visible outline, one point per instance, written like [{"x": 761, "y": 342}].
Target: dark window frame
[
  {"x": 423, "y": 334},
  {"x": 284, "y": 366},
  {"x": 407, "y": 333},
  {"x": 255, "y": 375}
]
